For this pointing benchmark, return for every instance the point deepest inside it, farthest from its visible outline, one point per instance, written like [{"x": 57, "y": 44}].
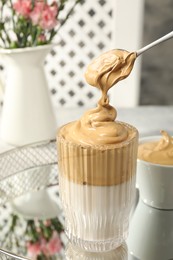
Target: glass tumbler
[{"x": 97, "y": 190}]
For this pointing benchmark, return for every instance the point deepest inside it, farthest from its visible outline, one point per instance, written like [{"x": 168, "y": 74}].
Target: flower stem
[{"x": 68, "y": 14}]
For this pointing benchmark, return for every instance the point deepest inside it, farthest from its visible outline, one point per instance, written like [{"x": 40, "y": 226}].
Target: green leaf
[{"x": 1, "y": 26}]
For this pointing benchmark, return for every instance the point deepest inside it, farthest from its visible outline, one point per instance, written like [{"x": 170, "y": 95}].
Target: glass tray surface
[
  {"x": 28, "y": 177},
  {"x": 29, "y": 168}
]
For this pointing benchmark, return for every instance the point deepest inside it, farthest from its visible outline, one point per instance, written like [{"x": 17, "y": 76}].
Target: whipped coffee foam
[
  {"x": 99, "y": 165},
  {"x": 98, "y": 126},
  {"x": 159, "y": 152},
  {"x": 109, "y": 68}
]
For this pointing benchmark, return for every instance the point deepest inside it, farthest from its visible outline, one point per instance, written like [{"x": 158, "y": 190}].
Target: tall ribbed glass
[{"x": 97, "y": 188}]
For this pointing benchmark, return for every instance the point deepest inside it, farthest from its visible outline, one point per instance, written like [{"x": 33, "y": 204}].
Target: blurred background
[
  {"x": 97, "y": 26},
  {"x": 157, "y": 63}
]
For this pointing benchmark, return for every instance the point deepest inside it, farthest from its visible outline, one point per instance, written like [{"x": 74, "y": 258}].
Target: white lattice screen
[
  {"x": 95, "y": 27},
  {"x": 83, "y": 37}
]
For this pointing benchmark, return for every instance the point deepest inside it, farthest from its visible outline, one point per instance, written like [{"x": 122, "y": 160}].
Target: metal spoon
[{"x": 162, "y": 39}]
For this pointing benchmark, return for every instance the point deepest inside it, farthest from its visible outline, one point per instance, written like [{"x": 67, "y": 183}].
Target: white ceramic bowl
[{"x": 155, "y": 181}]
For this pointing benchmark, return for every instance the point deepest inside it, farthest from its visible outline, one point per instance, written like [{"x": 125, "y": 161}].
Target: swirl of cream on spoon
[{"x": 98, "y": 126}]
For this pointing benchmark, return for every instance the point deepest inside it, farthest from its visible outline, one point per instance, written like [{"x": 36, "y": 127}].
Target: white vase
[{"x": 27, "y": 114}]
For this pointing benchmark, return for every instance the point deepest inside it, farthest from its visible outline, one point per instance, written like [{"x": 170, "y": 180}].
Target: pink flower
[
  {"x": 48, "y": 18},
  {"x": 36, "y": 13},
  {"x": 42, "y": 38},
  {"x": 54, "y": 246},
  {"x": 23, "y": 7},
  {"x": 34, "y": 249},
  {"x": 44, "y": 248},
  {"x": 54, "y": 8},
  {"x": 44, "y": 15},
  {"x": 47, "y": 222},
  {"x": 47, "y": 248}
]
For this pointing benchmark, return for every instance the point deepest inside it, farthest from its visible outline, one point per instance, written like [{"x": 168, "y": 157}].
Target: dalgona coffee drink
[
  {"x": 155, "y": 171},
  {"x": 97, "y": 163}
]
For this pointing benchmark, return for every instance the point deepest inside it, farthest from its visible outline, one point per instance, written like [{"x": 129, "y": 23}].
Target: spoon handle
[{"x": 162, "y": 39}]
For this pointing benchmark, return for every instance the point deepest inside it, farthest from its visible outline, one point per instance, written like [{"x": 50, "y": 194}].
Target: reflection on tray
[
  {"x": 31, "y": 221},
  {"x": 34, "y": 238}
]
